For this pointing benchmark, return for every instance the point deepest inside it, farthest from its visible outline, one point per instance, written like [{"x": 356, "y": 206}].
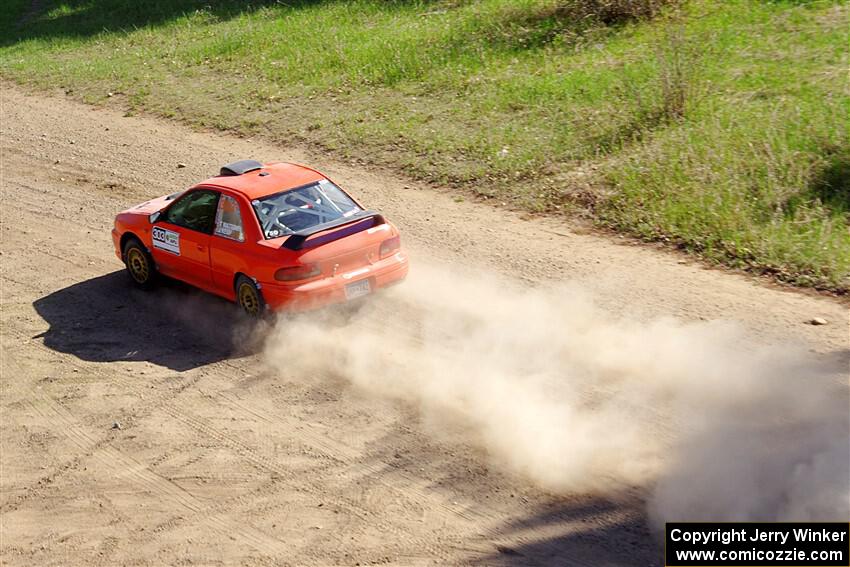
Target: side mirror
[{"x": 155, "y": 216}]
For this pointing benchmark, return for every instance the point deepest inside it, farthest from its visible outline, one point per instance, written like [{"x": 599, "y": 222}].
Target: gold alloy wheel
[
  {"x": 137, "y": 264},
  {"x": 248, "y": 299}
]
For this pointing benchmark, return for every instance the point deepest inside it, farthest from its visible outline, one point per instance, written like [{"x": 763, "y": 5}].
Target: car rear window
[{"x": 297, "y": 209}]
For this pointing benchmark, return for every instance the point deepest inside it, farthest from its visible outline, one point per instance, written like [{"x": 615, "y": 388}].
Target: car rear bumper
[{"x": 329, "y": 291}]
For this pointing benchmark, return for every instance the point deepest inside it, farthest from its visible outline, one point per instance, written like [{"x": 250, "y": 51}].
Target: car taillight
[
  {"x": 297, "y": 273},
  {"x": 390, "y": 246}
]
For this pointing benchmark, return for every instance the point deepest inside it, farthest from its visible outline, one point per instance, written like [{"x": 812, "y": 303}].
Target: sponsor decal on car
[
  {"x": 228, "y": 229},
  {"x": 167, "y": 240}
]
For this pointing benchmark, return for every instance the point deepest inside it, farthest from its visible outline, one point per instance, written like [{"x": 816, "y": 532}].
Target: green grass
[{"x": 720, "y": 126}]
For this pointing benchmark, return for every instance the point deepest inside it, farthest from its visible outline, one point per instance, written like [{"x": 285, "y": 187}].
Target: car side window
[
  {"x": 195, "y": 210},
  {"x": 228, "y": 219}
]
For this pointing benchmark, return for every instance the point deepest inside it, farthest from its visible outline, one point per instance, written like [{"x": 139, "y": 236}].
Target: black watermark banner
[{"x": 745, "y": 544}]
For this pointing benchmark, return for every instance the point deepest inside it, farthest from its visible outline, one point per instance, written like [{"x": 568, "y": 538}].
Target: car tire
[
  {"x": 249, "y": 297},
  {"x": 140, "y": 266}
]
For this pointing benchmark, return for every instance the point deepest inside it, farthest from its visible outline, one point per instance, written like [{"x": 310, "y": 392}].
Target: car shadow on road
[{"x": 106, "y": 319}]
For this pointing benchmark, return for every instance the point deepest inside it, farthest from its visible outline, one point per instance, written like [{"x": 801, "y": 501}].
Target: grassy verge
[{"x": 717, "y": 125}]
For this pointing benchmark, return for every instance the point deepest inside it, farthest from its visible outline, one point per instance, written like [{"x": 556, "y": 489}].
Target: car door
[
  {"x": 228, "y": 249},
  {"x": 181, "y": 237}
]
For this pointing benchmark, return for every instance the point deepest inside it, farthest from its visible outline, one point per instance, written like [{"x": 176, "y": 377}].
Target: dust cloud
[{"x": 574, "y": 398}]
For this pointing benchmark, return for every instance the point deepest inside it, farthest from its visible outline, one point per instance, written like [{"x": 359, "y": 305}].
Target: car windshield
[{"x": 297, "y": 209}]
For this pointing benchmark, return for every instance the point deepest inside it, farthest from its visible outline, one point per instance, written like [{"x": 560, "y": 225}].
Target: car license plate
[{"x": 357, "y": 289}]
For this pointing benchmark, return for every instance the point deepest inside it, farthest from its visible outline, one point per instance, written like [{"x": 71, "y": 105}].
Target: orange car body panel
[{"x": 212, "y": 262}]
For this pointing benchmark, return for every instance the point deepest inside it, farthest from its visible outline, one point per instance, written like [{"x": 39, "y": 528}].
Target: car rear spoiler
[{"x": 358, "y": 222}]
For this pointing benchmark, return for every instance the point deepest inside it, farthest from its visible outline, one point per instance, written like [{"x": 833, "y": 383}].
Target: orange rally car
[{"x": 267, "y": 236}]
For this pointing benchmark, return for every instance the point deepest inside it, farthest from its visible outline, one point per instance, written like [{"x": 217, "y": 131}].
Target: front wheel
[
  {"x": 249, "y": 297},
  {"x": 139, "y": 264}
]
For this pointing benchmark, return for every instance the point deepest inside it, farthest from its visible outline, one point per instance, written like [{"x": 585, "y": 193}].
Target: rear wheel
[
  {"x": 139, "y": 264},
  {"x": 249, "y": 297}
]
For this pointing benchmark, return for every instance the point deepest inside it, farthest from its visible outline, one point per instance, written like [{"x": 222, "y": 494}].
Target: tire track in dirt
[
  {"x": 301, "y": 483},
  {"x": 404, "y": 484},
  {"x": 88, "y": 444},
  {"x": 282, "y": 476},
  {"x": 334, "y": 454},
  {"x": 124, "y": 466}
]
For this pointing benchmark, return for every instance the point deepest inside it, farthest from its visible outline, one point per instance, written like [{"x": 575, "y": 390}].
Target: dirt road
[{"x": 134, "y": 432}]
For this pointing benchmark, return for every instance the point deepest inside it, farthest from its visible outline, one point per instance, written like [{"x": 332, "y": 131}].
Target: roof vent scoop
[{"x": 240, "y": 167}]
